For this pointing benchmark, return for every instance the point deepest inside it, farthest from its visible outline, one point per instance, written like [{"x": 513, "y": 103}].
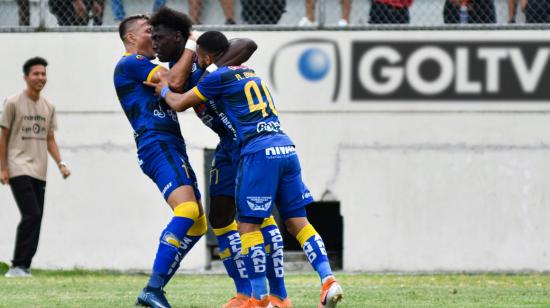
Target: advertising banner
[{"x": 357, "y": 70}]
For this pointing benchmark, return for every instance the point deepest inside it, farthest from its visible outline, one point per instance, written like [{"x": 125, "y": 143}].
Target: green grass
[{"x": 111, "y": 289}]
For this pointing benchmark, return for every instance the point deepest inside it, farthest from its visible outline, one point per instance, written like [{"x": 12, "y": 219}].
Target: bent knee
[{"x": 198, "y": 228}]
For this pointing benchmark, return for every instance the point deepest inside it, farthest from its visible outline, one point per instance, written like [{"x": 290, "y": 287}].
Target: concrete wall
[{"x": 425, "y": 185}]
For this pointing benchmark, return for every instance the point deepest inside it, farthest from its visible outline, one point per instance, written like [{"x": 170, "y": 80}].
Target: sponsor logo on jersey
[
  {"x": 277, "y": 151},
  {"x": 271, "y": 127}
]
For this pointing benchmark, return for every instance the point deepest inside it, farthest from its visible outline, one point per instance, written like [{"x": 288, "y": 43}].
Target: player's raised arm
[
  {"x": 239, "y": 51},
  {"x": 179, "y": 73},
  {"x": 176, "y": 101}
]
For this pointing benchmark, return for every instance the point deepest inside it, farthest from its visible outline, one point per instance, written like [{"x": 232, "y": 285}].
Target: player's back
[
  {"x": 151, "y": 119},
  {"x": 249, "y": 106},
  {"x": 207, "y": 111}
]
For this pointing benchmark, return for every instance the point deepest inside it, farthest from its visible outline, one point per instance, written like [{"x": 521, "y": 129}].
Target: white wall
[{"x": 424, "y": 186}]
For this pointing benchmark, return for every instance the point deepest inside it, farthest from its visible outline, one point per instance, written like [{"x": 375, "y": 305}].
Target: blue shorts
[
  {"x": 168, "y": 166},
  {"x": 267, "y": 177},
  {"x": 224, "y": 170}
]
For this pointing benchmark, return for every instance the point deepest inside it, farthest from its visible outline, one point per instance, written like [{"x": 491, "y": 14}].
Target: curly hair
[{"x": 172, "y": 19}]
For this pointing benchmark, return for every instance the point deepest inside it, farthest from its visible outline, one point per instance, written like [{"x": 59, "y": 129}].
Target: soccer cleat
[
  {"x": 152, "y": 297},
  {"x": 18, "y": 271},
  {"x": 238, "y": 301},
  {"x": 263, "y": 303},
  {"x": 331, "y": 293},
  {"x": 279, "y": 303}
]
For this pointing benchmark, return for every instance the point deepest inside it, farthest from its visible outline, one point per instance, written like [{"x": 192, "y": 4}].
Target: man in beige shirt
[{"x": 27, "y": 134}]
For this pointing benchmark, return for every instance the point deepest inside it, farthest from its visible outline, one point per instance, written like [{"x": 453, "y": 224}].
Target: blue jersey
[
  {"x": 245, "y": 99},
  {"x": 207, "y": 111},
  {"x": 151, "y": 118}
]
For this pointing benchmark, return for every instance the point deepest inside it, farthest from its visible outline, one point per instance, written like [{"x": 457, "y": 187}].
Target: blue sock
[
  {"x": 195, "y": 233},
  {"x": 253, "y": 254},
  {"x": 229, "y": 243},
  {"x": 170, "y": 241},
  {"x": 274, "y": 264},
  {"x": 314, "y": 247}
]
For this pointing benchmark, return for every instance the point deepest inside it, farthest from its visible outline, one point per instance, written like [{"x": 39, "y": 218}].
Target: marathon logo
[
  {"x": 166, "y": 187},
  {"x": 462, "y": 71},
  {"x": 277, "y": 151}
]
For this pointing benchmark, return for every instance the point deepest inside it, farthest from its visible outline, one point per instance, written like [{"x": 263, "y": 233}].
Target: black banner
[{"x": 457, "y": 70}]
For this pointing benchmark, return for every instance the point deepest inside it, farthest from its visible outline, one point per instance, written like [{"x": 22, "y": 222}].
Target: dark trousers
[
  {"x": 29, "y": 196},
  {"x": 381, "y": 13}
]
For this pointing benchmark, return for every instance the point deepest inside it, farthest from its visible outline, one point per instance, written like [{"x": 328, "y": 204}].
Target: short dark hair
[
  {"x": 32, "y": 62},
  {"x": 127, "y": 23},
  {"x": 172, "y": 19},
  {"x": 213, "y": 42}
]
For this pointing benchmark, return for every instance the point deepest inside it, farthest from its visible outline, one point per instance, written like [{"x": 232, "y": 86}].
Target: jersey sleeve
[
  {"x": 8, "y": 115},
  {"x": 140, "y": 68},
  {"x": 209, "y": 87}
]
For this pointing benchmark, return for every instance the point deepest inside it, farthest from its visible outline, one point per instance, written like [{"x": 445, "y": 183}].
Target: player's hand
[
  {"x": 65, "y": 172},
  {"x": 4, "y": 177},
  {"x": 157, "y": 85}
]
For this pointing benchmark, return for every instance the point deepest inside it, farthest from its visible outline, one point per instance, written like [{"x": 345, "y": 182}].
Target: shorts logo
[
  {"x": 259, "y": 203},
  {"x": 306, "y": 195},
  {"x": 273, "y": 151}
]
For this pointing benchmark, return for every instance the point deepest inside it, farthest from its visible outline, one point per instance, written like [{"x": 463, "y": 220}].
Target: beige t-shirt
[{"x": 29, "y": 123}]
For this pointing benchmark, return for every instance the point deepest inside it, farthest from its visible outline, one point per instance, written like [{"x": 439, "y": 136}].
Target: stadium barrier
[{"x": 102, "y": 15}]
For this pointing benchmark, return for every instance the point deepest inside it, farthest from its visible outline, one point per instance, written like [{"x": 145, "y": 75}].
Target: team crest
[{"x": 259, "y": 203}]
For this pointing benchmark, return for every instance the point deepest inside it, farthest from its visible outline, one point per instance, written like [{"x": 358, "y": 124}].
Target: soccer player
[
  {"x": 269, "y": 170},
  {"x": 169, "y": 44},
  {"x": 161, "y": 152}
]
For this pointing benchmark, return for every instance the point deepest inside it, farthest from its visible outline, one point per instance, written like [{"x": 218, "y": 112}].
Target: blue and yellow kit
[
  {"x": 269, "y": 170},
  {"x": 161, "y": 147},
  {"x": 224, "y": 165}
]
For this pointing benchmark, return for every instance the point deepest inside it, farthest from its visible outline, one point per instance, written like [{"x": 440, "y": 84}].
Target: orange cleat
[
  {"x": 331, "y": 293},
  {"x": 279, "y": 303},
  {"x": 254, "y": 303},
  {"x": 239, "y": 301}
]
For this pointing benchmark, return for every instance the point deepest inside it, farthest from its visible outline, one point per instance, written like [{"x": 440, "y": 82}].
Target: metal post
[
  {"x": 321, "y": 8},
  {"x": 42, "y": 13}
]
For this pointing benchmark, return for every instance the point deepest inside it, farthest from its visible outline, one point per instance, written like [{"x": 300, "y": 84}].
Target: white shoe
[
  {"x": 305, "y": 22},
  {"x": 342, "y": 23},
  {"x": 331, "y": 293},
  {"x": 18, "y": 272}
]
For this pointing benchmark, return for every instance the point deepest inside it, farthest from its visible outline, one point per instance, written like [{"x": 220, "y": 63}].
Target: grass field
[{"x": 111, "y": 289}]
